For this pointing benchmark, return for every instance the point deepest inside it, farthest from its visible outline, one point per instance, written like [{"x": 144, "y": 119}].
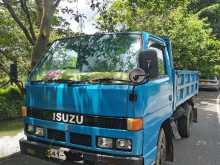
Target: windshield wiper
[
  {"x": 108, "y": 80},
  {"x": 56, "y": 81},
  {"x": 69, "y": 82},
  {"x": 36, "y": 81}
]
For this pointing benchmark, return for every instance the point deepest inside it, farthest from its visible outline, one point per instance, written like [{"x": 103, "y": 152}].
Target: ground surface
[
  {"x": 11, "y": 127},
  {"x": 10, "y": 133},
  {"x": 202, "y": 148}
]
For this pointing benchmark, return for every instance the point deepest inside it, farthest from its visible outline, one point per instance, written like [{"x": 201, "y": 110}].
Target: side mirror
[
  {"x": 137, "y": 75},
  {"x": 13, "y": 73},
  {"x": 148, "y": 61}
]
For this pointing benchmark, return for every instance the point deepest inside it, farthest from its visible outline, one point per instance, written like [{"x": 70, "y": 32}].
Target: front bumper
[{"x": 76, "y": 157}]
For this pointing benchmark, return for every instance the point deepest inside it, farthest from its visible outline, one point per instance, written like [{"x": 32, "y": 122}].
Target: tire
[
  {"x": 161, "y": 148},
  {"x": 185, "y": 122}
]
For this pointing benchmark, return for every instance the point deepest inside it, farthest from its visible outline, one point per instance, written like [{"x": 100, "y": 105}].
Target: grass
[
  {"x": 10, "y": 103},
  {"x": 11, "y": 127}
]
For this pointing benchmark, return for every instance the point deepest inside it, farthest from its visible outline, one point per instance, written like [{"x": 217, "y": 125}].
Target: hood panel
[{"x": 95, "y": 99}]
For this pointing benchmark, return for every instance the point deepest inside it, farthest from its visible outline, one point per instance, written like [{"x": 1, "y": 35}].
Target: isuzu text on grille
[{"x": 68, "y": 118}]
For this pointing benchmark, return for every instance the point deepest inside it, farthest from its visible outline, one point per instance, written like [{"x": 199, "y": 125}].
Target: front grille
[
  {"x": 55, "y": 135},
  {"x": 89, "y": 120},
  {"x": 80, "y": 139}
]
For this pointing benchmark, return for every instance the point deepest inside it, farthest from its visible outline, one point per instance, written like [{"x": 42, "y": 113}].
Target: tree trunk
[{"x": 42, "y": 41}]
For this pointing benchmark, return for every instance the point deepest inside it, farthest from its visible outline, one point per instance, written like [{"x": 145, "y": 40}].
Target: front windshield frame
[{"x": 47, "y": 53}]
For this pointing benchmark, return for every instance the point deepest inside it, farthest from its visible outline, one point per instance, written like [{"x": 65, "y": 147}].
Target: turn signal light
[
  {"x": 23, "y": 111},
  {"x": 134, "y": 124}
]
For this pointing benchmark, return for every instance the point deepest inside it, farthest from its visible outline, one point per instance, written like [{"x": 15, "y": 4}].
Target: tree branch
[
  {"x": 26, "y": 11},
  {"x": 49, "y": 7},
  {"x": 4, "y": 84},
  {"x": 39, "y": 5},
  {"x": 18, "y": 21},
  {"x": 57, "y": 3}
]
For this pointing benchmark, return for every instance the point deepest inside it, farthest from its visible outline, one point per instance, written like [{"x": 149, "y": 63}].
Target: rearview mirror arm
[{"x": 133, "y": 96}]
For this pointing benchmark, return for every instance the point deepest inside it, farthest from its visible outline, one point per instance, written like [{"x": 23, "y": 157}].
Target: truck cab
[{"x": 85, "y": 105}]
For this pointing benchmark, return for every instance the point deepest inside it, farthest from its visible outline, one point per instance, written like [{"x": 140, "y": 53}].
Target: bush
[{"x": 10, "y": 103}]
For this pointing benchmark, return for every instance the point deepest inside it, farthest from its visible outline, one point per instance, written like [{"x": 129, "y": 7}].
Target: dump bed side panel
[{"x": 185, "y": 86}]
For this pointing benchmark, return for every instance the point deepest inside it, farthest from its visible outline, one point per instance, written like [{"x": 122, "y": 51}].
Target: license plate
[{"x": 57, "y": 154}]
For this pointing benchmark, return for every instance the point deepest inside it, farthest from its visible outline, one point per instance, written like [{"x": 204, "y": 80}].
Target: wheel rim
[{"x": 161, "y": 150}]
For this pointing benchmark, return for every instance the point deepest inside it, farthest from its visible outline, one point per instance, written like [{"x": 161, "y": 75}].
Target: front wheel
[{"x": 161, "y": 148}]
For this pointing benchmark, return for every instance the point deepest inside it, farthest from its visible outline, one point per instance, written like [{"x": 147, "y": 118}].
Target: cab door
[
  {"x": 164, "y": 79},
  {"x": 158, "y": 94}
]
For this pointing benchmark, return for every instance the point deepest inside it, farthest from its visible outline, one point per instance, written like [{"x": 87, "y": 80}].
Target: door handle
[{"x": 170, "y": 97}]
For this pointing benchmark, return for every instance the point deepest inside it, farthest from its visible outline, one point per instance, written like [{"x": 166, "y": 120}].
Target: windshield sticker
[{"x": 53, "y": 75}]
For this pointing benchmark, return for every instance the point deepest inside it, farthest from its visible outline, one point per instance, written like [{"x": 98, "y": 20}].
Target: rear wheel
[
  {"x": 161, "y": 148},
  {"x": 185, "y": 122}
]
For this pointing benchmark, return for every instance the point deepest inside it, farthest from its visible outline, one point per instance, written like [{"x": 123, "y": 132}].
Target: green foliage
[
  {"x": 194, "y": 47},
  {"x": 210, "y": 10},
  {"x": 212, "y": 13},
  {"x": 216, "y": 70},
  {"x": 13, "y": 47},
  {"x": 128, "y": 13},
  {"x": 197, "y": 5},
  {"x": 10, "y": 103}
]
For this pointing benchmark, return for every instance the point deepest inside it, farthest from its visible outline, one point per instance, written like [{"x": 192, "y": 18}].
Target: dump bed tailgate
[{"x": 185, "y": 86}]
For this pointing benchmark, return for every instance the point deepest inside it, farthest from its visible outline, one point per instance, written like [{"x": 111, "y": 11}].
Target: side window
[{"x": 160, "y": 57}]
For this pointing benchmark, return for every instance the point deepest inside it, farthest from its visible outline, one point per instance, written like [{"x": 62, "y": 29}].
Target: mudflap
[
  {"x": 195, "y": 115},
  {"x": 194, "y": 110},
  {"x": 175, "y": 130}
]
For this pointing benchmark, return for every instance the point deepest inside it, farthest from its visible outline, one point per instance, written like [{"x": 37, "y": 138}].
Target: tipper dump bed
[{"x": 185, "y": 87}]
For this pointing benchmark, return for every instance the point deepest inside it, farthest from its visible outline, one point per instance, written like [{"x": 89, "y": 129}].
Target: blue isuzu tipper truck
[{"x": 108, "y": 99}]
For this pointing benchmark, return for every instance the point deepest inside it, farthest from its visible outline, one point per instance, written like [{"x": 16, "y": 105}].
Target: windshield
[{"x": 90, "y": 57}]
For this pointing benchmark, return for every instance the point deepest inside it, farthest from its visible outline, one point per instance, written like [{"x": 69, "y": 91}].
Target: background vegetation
[
  {"x": 193, "y": 27},
  {"x": 10, "y": 103}
]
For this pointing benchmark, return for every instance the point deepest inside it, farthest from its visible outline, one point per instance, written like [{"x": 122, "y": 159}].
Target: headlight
[
  {"x": 103, "y": 142},
  {"x": 30, "y": 129},
  {"x": 123, "y": 144},
  {"x": 39, "y": 131}
]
